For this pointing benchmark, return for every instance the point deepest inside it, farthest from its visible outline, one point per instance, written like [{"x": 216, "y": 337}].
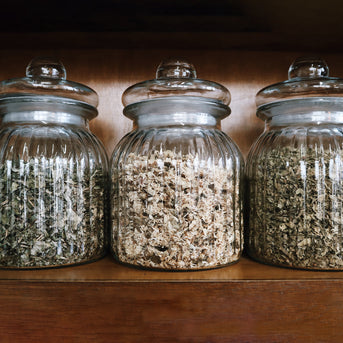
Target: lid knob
[
  {"x": 46, "y": 67},
  {"x": 175, "y": 68},
  {"x": 176, "y": 77},
  {"x": 308, "y": 67}
]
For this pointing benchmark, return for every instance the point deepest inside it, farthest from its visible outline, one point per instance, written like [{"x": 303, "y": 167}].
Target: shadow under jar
[
  {"x": 53, "y": 171},
  {"x": 295, "y": 171},
  {"x": 176, "y": 178}
]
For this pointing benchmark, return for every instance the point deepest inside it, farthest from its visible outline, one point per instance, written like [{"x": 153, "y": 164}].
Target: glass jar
[
  {"x": 295, "y": 171},
  {"x": 176, "y": 197},
  {"x": 53, "y": 171}
]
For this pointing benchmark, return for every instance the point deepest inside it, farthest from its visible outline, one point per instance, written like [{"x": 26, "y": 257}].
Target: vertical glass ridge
[
  {"x": 295, "y": 187},
  {"x": 173, "y": 206},
  {"x": 52, "y": 196}
]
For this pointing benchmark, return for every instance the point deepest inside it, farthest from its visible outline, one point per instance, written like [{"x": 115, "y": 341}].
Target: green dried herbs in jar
[
  {"x": 295, "y": 171},
  {"x": 53, "y": 171}
]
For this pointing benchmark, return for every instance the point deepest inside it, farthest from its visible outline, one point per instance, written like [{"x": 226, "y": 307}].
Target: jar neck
[
  {"x": 23, "y": 109},
  {"x": 306, "y": 119},
  {"x": 178, "y": 119},
  {"x": 45, "y": 117},
  {"x": 177, "y": 111}
]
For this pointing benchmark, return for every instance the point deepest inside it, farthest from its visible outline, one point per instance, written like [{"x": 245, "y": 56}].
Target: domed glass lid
[
  {"x": 308, "y": 81},
  {"x": 46, "y": 77},
  {"x": 176, "y": 78}
]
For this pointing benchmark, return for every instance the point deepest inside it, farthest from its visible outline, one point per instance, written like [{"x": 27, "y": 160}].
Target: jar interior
[
  {"x": 295, "y": 196},
  {"x": 53, "y": 196},
  {"x": 176, "y": 199}
]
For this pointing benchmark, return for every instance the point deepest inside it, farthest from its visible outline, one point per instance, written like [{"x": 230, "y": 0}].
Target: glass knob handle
[
  {"x": 175, "y": 68},
  {"x": 47, "y": 68},
  {"x": 308, "y": 67}
]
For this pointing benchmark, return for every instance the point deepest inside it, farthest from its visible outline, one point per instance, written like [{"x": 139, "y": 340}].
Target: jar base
[
  {"x": 136, "y": 266},
  {"x": 285, "y": 266},
  {"x": 74, "y": 264}
]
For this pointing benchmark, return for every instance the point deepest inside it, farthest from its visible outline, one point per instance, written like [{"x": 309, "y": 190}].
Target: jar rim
[
  {"x": 28, "y": 103},
  {"x": 300, "y": 107}
]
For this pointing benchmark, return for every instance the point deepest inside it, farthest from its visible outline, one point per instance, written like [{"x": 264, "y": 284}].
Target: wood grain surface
[
  {"x": 108, "y": 270},
  {"x": 260, "y": 311},
  {"x": 108, "y": 302}
]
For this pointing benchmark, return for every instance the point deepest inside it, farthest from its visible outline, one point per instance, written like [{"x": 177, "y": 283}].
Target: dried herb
[
  {"x": 172, "y": 211},
  {"x": 51, "y": 213},
  {"x": 296, "y": 207}
]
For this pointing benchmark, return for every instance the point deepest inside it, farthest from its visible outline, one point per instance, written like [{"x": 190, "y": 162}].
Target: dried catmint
[
  {"x": 52, "y": 212},
  {"x": 296, "y": 207}
]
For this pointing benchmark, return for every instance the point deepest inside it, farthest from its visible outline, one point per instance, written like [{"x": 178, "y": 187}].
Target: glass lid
[
  {"x": 176, "y": 78},
  {"x": 308, "y": 84},
  {"x": 46, "y": 81}
]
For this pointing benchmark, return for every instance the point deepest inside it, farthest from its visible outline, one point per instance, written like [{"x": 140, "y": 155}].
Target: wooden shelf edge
[
  {"x": 288, "y": 311},
  {"x": 109, "y": 271}
]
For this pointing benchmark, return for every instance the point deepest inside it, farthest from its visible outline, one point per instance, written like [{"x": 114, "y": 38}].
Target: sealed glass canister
[
  {"x": 53, "y": 171},
  {"x": 176, "y": 177},
  {"x": 295, "y": 171}
]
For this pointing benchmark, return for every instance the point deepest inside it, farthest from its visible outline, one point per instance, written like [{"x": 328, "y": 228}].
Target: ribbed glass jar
[
  {"x": 294, "y": 172},
  {"x": 53, "y": 174},
  {"x": 176, "y": 196}
]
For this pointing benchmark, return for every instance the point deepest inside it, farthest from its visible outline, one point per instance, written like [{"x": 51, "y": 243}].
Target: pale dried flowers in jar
[
  {"x": 176, "y": 177},
  {"x": 175, "y": 212}
]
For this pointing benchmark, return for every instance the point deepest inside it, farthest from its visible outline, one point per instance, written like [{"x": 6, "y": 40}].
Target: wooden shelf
[
  {"x": 108, "y": 302},
  {"x": 110, "y": 271}
]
